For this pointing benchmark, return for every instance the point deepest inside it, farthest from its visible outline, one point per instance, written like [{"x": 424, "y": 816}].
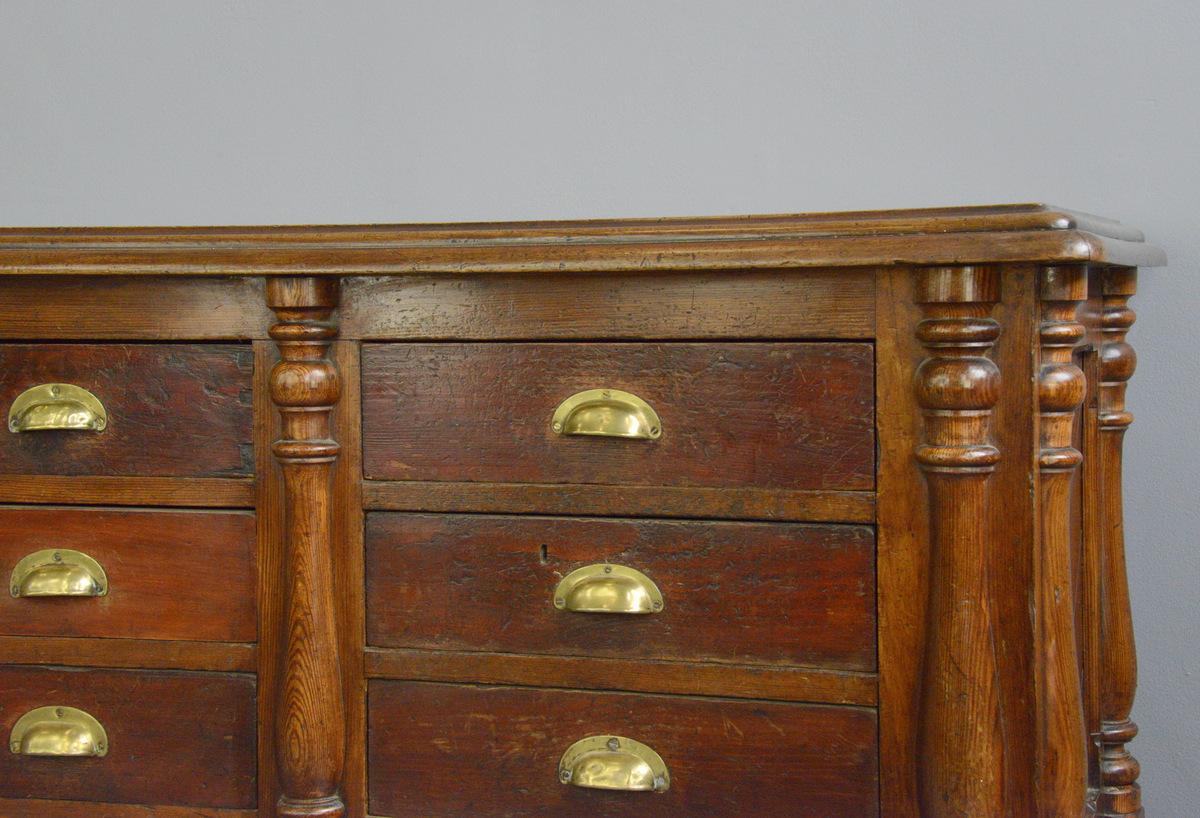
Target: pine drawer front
[
  {"x": 136, "y": 574},
  {"x": 451, "y": 750},
  {"x": 717, "y": 415},
  {"x": 168, "y": 409},
  {"x": 771, "y": 593},
  {"x": 173, "y": 739}
]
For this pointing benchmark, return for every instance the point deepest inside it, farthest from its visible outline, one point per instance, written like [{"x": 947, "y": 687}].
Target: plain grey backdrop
[{"x": 220, "y": 111}]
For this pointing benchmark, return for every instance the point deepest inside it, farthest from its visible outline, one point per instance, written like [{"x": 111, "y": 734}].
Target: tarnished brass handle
[
  {"x": 606, "y": 413},
  {"x": 614, "y": 763},
  {"x": 605, "y": 588},
  {"x": 53, "y": 406},
  {"x": 58, "y": 572},
  {"x": 58, "y": 731}
]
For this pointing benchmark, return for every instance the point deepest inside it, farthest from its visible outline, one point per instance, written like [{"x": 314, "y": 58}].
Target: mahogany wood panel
[
  {"x": 13, "y": 808},
  {"x": 132, "y": 309},
  {"x": 750, "y": 304},
  {"x": 734, "y": 415},
  {"x": 629, "y": 501},
  {"x": 173, "y": 410},
  {"x": 640, "y": 675},
  {"x": 486, "y": 583},
  {"x": 128, "y": 653},
  {"x": 92, "y": 490},
  {"x": 183, "y": 739},
  {"x": 172, "y": 575},
  {"x": 477, "y": 751}
]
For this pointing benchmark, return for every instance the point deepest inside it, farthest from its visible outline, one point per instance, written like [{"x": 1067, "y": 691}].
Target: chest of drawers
[{"x": 793, "y": 515}]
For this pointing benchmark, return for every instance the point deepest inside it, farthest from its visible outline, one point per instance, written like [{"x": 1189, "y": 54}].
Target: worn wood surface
[
  {"x": 752, "y": 304},
  {"x": 183, "y": 739},
  {"x": 797, "y": 416},
  {"x": 173, "y": 410},
  {"x": 172, "y": 575},
  {"x": 127, "y": 309},
  {"x": 40, "y": 808},
  {"x": 461, "y": 750},
  {"x": 799, "y": 684},
  {"x": 233, "y": 657},
  {"x": 486, "y": 583},
  {"x": 95, "y": 490}
]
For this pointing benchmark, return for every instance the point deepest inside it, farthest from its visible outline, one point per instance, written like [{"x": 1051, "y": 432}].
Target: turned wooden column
[
  {"x": 960, "y": 746},
  {"x": 1119, "y": 792},
  {"x": 310, "y": 722},
  {"x": 1061, "y": 729}
]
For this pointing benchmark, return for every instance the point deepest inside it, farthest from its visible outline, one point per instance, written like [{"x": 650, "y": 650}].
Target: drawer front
[
  {"x": 778, "y": 415},
  {"x": 137, "y": 574},
  {"x": 451, "y": 750},
  {"x": 172, "y": 409},
  {"x": 772, "y": 593},
  {"x": 185, "y": 739}
]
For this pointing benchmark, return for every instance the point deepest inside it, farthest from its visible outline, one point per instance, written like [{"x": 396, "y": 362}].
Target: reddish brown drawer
[
  {"x": 451, "y": 750},
  {"x": 163, "y": 575},
  {"x": 773, "y": 593},
  {"x": 173, "y": 738},
  {"x": 779, "y": 415},
  {"x": 173, "y": 409}
]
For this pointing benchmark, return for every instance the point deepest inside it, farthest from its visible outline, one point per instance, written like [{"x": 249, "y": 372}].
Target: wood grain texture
[
  {"x": 753, "y": 304},
  {"x": 179, "y": 410},
  {"x": 231, "y": 657},
  {"x": 486, "y": 583},
  {"x": 630, "y": 501},
  {"x": 1061, "y": 732},
  {"x": 182, "y": 739},
  {"x": 797, "y": 416},
  {"x": 442, "y": 749},
  {"x": 123, "y": 309},
  {"x": 1120, "y": 793},
  {"x": 94, "y": 490},
  {"x": 638, "y": 675},
  {"x": 310, "y": 716},
  {"x": 40, "y": 808},
  {"x": 172, "y": 575}
]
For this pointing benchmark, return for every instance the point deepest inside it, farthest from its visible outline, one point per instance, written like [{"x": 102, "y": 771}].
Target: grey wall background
[{"x": 129, "y": 112}]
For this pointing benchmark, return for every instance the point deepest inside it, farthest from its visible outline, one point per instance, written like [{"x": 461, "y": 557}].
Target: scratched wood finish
[
  {"x": 182, "y": 739},
  {"x": 97, "y": 490},
  {"x": 747, "y": 304},
  {"x": 462, "y": 750},
  {"x": 41, "y": 808},
  {"x": 178, "y": 410},
  {"x": 786, "y": 415},
  {"x": 172, "y": 575},
  {"x": 132, "y": 309},
  {"x": 67, "y": 651},
  {"x": 486, "y": 583},
  {"x": 310, "y": 715}
]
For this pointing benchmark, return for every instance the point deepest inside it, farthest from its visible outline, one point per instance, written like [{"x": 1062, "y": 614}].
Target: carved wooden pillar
[
  {"x": 310, "y": 723},
  {"x": 1119, "y": 793},
  {"x": 1061, "y": 730},
  {"x": 960, "y": 743}
]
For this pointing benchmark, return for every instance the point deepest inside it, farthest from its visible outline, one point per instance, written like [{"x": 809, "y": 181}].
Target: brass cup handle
[
  {"x": 58, "y": 572},
  {"x": 606, "y": 588},
  {"x": 606, "y": 413},
  {"x": 58, "y": 731},
  {"x": 57, "y": 406},
  {"x": 613, "y": 763}
]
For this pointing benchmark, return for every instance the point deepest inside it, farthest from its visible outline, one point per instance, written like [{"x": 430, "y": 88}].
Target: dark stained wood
[
  {"x": 458, "y": 750},
  {"x": 310, "y": 715},
  {"x": 13, "y": 808},
  {"x": 1061, "y": 734},
  {"x": 486, "y": 583},
  {"x": 639, "y": 675},
  {"x": 132, "y": 309},
  {"x": 795, "y": 416},
  {"x": 179, "y": 739},
  {"x": 752, "y": 304},
  {"x": 232, "y": 657},
  {"x": 1120, "y": 793},
  {"x": 173, "y": 410},
  {"x": 630, "y": 501},
  {"x": 93, "y": 490},
  {"x": 172, "y": 575}
]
